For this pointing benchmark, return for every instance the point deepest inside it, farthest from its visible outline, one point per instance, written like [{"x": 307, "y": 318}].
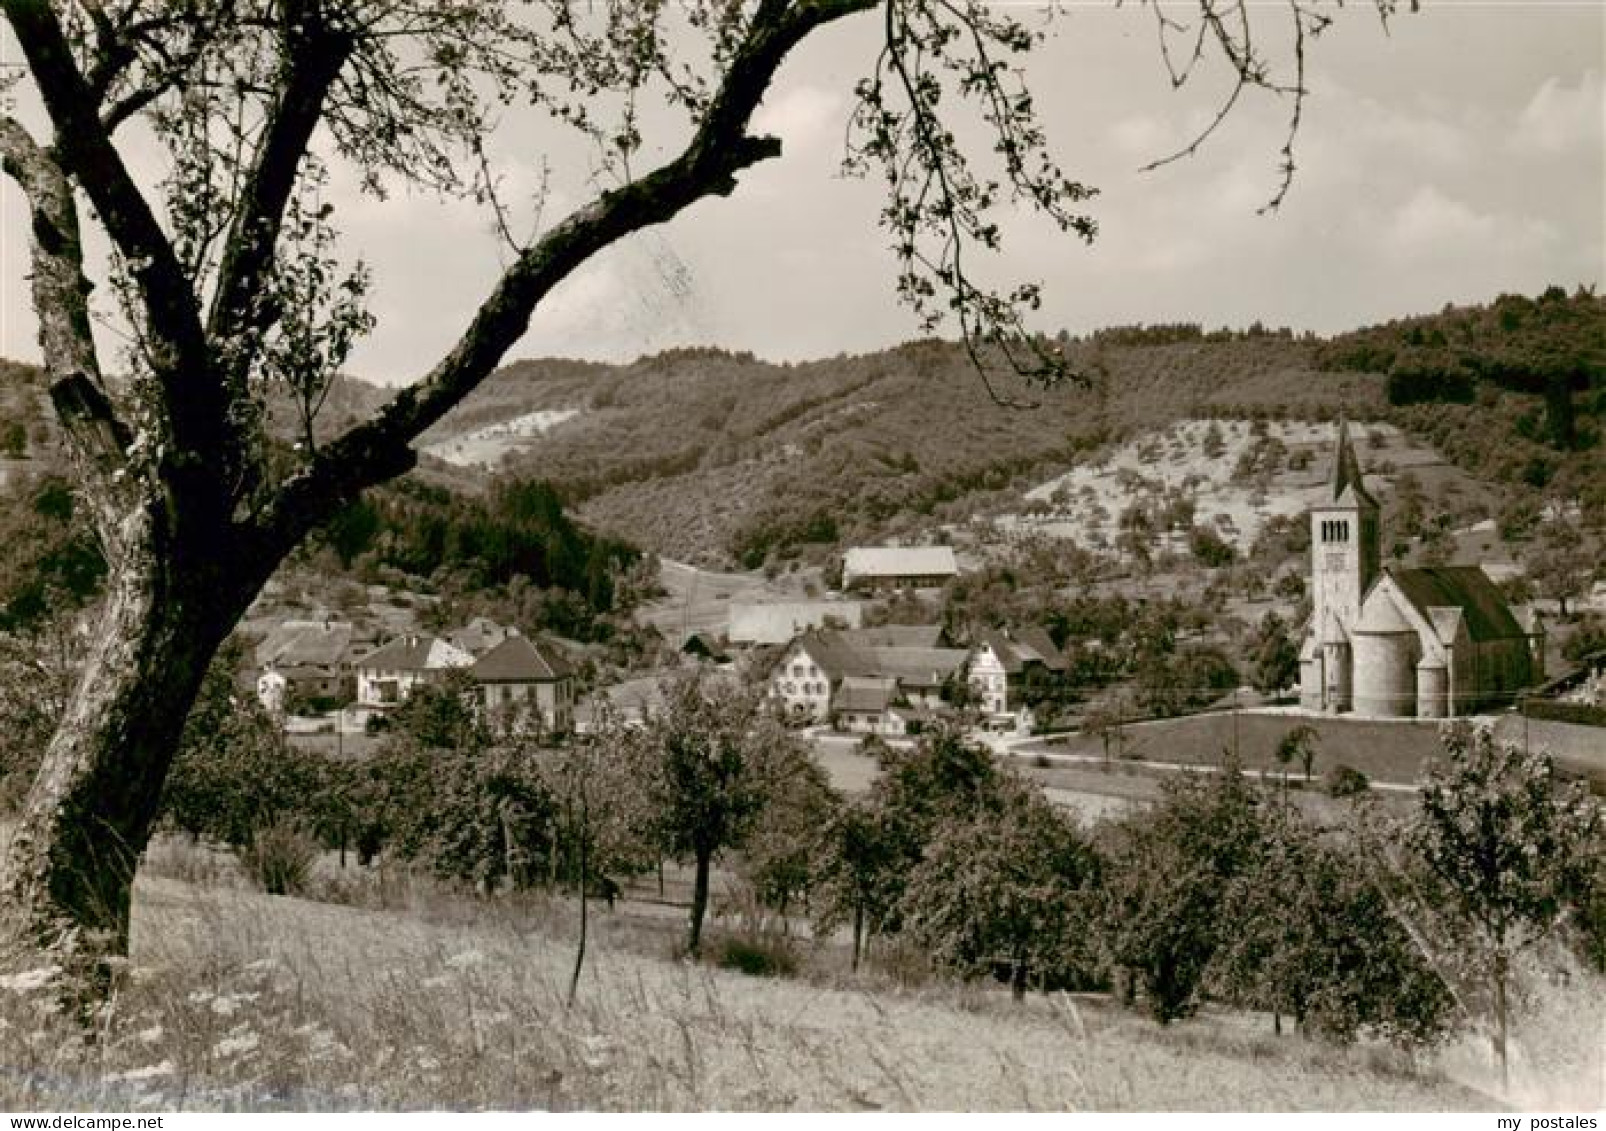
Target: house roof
[
  {"x": 1015, "y": 648},
  {"x": 415, "y": 653},
  {"x": 1468, "y": 588},
  {"x": 834, "y": 655},
  {"x": 898, "y": 561},
  {"x": 480, "y": 635},
  {"x": 911, "y": 666},
  {"x": 916, "y": 667},
  {"x": 518, "y": 660},
  {"x": 776, "y": 622},
  {"x": 1344, "y": 482},
  {"x": 865, "y": 693},
  {"x": 299, "y": 642},
  {"x": 894, "y": 636},
  {"x": 703, "y": 644}
]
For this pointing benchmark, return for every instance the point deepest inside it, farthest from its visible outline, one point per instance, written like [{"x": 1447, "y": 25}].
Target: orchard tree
[
  {"x": 1011, "y": 891},
  {"x": 229, "y": 286},
  {"x": 858, "y": 874},
  {"x": 717, "y": 756},
  {"x": 1512, "y": 846},
  {"x": 1314, "y": 938},
  {"x": 1166, "y": 906}
]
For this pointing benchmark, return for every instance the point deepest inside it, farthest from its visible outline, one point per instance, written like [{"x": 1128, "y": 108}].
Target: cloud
[
  {"x": 1431, "y": 223},
  {"x": 803, "y": 117},
  {"x": 1141, "y": 137},
  {"x": 1562, "y": 119}
]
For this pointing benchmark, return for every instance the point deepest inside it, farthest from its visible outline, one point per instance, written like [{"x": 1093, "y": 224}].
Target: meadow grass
[{"x": 238, "y": 1000}]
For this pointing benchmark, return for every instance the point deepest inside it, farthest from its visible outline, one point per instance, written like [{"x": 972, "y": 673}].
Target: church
[{"x": 1431, "y": 642}]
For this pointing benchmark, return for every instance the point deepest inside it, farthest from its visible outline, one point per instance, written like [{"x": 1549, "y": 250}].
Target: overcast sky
[{"x": 1460, "y": 155}]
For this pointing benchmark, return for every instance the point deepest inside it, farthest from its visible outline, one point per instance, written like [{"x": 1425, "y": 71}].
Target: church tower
[{"x": 1345, "y": 561}]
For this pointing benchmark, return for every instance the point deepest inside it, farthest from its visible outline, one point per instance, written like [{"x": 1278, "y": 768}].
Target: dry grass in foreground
[{"x": 237, "y": 1000}]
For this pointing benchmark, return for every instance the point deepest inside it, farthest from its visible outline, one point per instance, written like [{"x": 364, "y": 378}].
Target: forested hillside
[
  {"x": 720, "y": 457},
  {"x": 1514, "y": 391}
]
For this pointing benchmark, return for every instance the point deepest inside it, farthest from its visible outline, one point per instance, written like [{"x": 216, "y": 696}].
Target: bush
[
  {"x": 760, "y": 956},
  {"x": 279, "y": 858},
  {"x": 1346, "y": 781}
]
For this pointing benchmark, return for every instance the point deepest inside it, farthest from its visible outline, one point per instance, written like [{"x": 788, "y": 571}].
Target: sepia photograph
[{"x": 802, "y": 556}]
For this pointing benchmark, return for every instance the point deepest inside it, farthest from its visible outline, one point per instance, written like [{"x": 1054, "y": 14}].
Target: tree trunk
[
  {"x": 1017, "y": 980},
  {"x": 1500, "y": 1020},
  {"x": 66, "y": 877},
  {"x": 699, "y": 904},
  {"x": 858, "y": 934},
  {"x": 580, "y": 946}
]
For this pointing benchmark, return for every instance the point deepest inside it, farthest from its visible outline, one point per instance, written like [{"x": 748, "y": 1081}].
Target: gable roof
[
  {"x": 305, "y": 642},
  {"x": 518, "y": 660},
  {"x": 912, "y": 666},
  {"x": 865, "y": 693},
  {"x": 1344, "y": 483},
  {"x": 834, "y": 655},
  {"x": 1017, "y": 647},
  {"x": 479, "y": 635},
  {"x": 916, "y": 667},
  {"x": 703, "y": 644},
  {"x": 898, "y": 561},
  {"x": 416, "y": 653},
  {"x": 776, "y": 622},
  {"x": 1467, "y": 588},
  {"x": 894, "y": 636}
]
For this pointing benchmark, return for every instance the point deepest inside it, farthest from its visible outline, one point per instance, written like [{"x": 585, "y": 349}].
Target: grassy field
[
  {"x": 1383, "y": 751},
  {"x": 243, "y": 1001}
]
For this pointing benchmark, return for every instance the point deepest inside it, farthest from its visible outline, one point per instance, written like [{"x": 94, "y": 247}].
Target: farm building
[
  {"x": 306, "y": 660},
  {"x": 827, "y": 677},
  {"x": 898, "y": 567},
  {"x": 1428, "y": 642}
]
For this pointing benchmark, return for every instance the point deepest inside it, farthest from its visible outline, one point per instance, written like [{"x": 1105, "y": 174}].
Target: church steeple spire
[{"x": 1345, "y": 482}]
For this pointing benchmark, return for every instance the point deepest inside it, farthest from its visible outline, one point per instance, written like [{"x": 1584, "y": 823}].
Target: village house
[
  {"x": 898, "y": 567},
  {"x": 387, "y": 675},
  {"x": 1428, "y": 642},
  {"x": 758, "y": 623},
  {"x": 305, "y": 661},
  {"x": 1004, "y": 663},
  {"x": 519, "y": 684},
  {"x": 826, "y": 677}
]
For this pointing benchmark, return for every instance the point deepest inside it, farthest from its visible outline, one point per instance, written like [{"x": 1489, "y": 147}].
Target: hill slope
[
  {"x": 713, "y": 457},
  {"x": 248, "y": 1002}
]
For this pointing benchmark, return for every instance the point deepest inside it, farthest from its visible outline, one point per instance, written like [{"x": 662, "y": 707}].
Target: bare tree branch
[
  {"x": 316, "y": 51},
  {"x": 378, "y": 449},
  {"x": 98, "y": 437},
  {"x": 84, "y": 151}
]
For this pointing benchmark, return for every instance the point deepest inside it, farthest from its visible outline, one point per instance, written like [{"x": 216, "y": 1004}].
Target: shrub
[
  {"x": 279, "y": 858},
  {"x": 760, "y": 956},
  {"x": 1346, "y": 781}
]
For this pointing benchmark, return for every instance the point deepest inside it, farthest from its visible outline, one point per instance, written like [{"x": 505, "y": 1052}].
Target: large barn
[{"x": 1428, "y": 642}]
